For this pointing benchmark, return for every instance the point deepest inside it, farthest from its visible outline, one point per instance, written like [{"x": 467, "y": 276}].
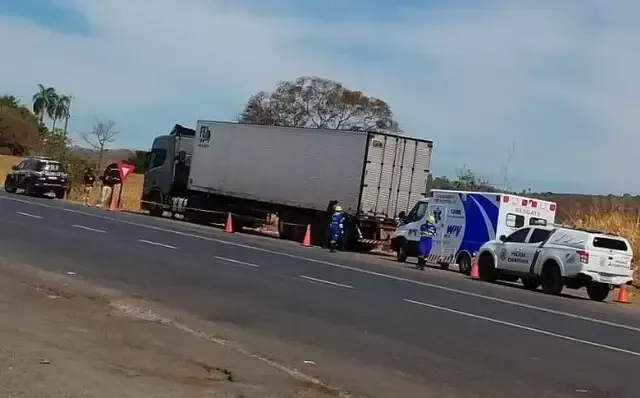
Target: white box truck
[
  {"x": 252, "y": 171},
  {"x": 465, "y": 221}
]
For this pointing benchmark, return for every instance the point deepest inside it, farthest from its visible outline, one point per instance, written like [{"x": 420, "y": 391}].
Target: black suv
[{"x": 37, "y": 176}]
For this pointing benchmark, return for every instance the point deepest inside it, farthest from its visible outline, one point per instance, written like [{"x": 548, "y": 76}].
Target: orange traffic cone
[
  {"x": 623, "y": 295},
  {"x": 228, "y": 227},
  {"x": 475, "y": 273},
  {"x": 306, "y": 242}
]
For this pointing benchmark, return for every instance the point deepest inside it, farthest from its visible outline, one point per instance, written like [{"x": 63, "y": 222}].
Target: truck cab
[{"x": 169, "y": 166}]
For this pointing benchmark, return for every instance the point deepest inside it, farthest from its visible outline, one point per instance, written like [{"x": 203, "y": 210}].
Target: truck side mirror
[
  {"x": 402, "y": 216},
  {"x": 182, "y": 156},
  {"x": 503, "y": 238}
]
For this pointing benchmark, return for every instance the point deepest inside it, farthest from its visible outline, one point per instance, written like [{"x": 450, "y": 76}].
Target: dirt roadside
[{"x": 61, "y": 337}]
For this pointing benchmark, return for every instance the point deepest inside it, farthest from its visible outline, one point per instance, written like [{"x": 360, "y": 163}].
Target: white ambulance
[{"x": 465, "y": 221}]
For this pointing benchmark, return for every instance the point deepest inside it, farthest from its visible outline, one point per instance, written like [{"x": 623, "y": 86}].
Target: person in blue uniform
[
  {"x": 337, "y": 227},
  {"x": 427, "y": 232}
]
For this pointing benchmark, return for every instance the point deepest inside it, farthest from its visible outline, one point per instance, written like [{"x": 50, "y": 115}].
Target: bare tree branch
[{"x": 103, "y": 132}]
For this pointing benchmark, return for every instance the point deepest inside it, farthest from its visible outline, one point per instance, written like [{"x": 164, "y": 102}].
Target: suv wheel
[{"x": 8, "y": 185}]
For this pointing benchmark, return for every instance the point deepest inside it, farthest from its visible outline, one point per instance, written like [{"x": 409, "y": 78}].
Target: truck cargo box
[{"x": 369, "y": 173}]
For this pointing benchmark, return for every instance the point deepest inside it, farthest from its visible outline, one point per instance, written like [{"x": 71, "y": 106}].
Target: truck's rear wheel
[{"x": 598, "y": 291}]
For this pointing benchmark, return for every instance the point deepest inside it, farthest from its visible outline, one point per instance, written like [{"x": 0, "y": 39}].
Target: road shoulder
[{"x": 77, "y": 339}]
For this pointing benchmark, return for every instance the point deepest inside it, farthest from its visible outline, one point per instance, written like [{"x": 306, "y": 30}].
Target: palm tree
[
  {"x": 59, "y": 109},
  {"x": 43, "y": 100}
]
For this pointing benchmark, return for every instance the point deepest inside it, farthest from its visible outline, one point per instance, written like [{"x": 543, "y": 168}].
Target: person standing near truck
[
  {"x": 337, "y": 227},
  {"x": 331, "y": 208},
  {"x": 427, "y": 232}
]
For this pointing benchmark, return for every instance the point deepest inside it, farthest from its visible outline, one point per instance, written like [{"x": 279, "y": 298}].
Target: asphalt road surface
[{"x": 370, "y": 325}]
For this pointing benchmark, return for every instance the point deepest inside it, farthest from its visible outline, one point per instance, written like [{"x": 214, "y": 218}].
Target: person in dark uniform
[
  {"x": 110, "y": 178},
  {"x": 330, "y": 210},
  {"x": 89, "y": 179},
  {"x": 337, "y": 227}
]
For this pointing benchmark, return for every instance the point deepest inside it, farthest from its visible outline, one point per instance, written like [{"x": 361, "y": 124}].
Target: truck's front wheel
[{"x": 598, "y": 291}]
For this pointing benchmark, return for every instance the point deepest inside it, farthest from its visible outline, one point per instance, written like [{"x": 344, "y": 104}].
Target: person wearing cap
[
  {"x": 427, "y": 232},
  {"x": 337, "y": 227}
]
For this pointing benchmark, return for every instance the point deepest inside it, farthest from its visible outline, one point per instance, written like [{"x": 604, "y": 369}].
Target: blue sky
[{"x": 557, "y": 80}]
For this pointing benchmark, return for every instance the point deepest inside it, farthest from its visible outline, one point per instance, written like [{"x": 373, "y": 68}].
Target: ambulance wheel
[
  {"x": 464, "y": 263},
  {"x": 401, "y": 251}
]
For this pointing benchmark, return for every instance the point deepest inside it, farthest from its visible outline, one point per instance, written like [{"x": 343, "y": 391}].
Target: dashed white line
[
  {"x": 326, "y": 282},
  {"x": 29, "y": 215},
  {"x": 364, "y": 271},
  {"x": 150, "y": 242},
  {"x": 523, "y": 327},
  {"x": 89, "y": 228},
  {"x": 236, "y": 262}
]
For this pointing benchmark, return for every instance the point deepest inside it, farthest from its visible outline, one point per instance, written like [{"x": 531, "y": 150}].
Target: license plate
[
  {"x": 53, "y": 177},
  {"x": 606, "y": 278}
]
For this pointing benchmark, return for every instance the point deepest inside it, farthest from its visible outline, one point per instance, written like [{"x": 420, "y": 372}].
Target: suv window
[
  {"x": 519, "y": 236},
  {"x": 538, "y": 235},
  {"x": 50, "y": 166},
  {"x": 537, "y": 221},
  {"x": 609, "y": 243},
  {"x": 515, "y": 220}
]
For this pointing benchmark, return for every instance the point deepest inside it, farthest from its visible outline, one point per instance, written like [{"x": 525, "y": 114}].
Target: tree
[
  {"x": 140, "y": 159},
  {"x": 318, "y": 103},
  {"x": 59, "y": 109},
  {"x": 56, "y": 145},
  {"x": 102, "y": 133},
  {"x": 43, "y": 101},
  {"x": 468, "y": 180},
  {"x": 19, "y": 132}
]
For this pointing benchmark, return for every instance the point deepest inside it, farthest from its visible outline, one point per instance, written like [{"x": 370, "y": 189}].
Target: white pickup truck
[{"x": 558, "y": 257}]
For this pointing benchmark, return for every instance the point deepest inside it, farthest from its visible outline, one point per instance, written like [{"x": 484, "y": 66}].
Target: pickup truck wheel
[
  {"x": 401, "y": 251},
  {"x": 530, "y": 283},
  {"x": 487, "y": 268},
  {"x": 551, "y": 279},
  {"x": 598, "y": 291}
]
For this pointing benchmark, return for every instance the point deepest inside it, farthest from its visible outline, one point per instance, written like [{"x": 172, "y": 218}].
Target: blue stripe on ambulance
[{"x": 481, "y": 221}]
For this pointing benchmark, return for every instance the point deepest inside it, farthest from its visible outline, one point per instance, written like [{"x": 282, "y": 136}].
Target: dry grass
[
  {"x": 611, "y": 221},
  {"x": 130, "y": 195}
]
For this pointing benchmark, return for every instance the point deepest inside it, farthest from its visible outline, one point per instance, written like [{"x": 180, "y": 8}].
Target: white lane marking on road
[
  {"x": 29, "y": 215},
  {"x": 364, "y": 271},
  {"x": 89, "y": 228},
  {"x": 150, "y": 242},
  {"x": 523, "y": 327},
  {"x": 236, "y": 262},
  {"x": 326, "y": 282}
]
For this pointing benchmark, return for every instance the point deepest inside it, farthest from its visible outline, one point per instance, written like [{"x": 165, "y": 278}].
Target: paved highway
[{"x": 370, "y": 325}]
